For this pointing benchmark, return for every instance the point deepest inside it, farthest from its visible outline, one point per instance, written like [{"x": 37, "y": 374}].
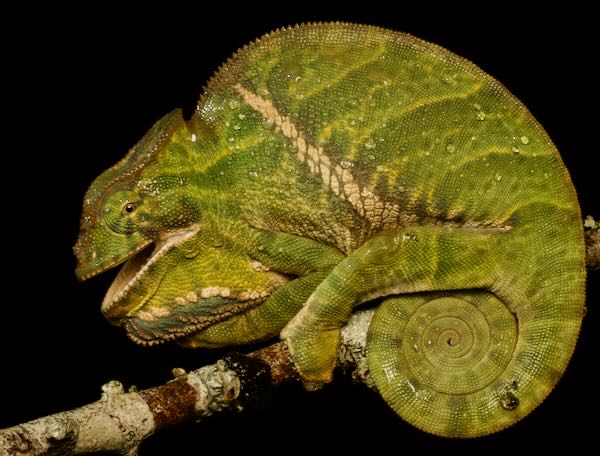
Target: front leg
[
  {"x": 221, "y": 289},
  {"x": 403, "y": 260},
  {"x": 305, "y": 261}
]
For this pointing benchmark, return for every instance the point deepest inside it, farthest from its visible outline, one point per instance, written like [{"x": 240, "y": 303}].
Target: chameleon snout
[{"x": 97, "y": 251}]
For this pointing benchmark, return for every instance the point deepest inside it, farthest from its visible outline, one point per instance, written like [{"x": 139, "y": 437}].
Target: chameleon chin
[
  {"x": 138, "y": 263},
  {"x": 330, "y": 164}
]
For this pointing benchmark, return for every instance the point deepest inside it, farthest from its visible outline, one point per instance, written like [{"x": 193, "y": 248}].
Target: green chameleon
[{"x": 331, "y": 165}]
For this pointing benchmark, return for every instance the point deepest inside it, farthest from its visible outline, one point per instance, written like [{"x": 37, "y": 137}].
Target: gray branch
[
  {"x": 120, "y": 421},
  {"x": 592, "y": 243}
]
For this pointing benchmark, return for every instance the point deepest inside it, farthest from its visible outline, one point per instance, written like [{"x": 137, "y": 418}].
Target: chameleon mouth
[{"x": 136, "y": 266}]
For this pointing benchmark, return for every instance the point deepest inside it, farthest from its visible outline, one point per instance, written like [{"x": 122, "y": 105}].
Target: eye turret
[{"x": 120, "y": 212}]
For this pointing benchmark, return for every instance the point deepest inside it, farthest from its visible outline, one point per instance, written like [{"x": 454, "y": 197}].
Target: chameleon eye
[{"x": 129, "y": 208}]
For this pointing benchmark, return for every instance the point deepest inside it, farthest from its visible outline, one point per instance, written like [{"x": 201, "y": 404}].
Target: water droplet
[
  {"x": 450, "y": 148},
  {"x": 509, "y": 401},
  {"x": 346, "y": 164},
  {"x": 268, "y": 123},
  {"x": 450, "y": 79},
  {"x": 480, "y": 115},
  {"x": 498, "y": 177},
  {"x": 370, "y": 144},
  {"x": 234, "y": 104},
  {"x": 190, "y": 252},
  {"x": 524, "y": 139},
  {"x": 515, "y": 149}
]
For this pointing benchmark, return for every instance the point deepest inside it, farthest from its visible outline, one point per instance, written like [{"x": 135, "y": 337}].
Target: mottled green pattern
[{"x": 330, "y": 164}]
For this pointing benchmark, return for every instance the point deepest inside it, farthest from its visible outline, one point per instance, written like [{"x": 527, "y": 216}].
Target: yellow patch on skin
[
  {"x": 143, "y": 315},
  {"x": 258, "y": 266},
  {"x": 339, "y": 180},
  {"x": 192, "y": 296},
  {"x": 335, "y": 185},
  {"x": 225, "y": 292},
  {"x": 160, "y": 312},
  {"x": 248, "y": 295},
  {"x": 209, "y": 292}
]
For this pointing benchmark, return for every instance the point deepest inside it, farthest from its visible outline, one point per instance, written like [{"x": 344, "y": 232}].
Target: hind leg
[{"x": 397, "y": 261}]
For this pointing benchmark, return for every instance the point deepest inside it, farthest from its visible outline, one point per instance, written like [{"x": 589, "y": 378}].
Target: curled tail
[
  {"x": 463, "y": 365},
  {"x": 477, "y": 326}
]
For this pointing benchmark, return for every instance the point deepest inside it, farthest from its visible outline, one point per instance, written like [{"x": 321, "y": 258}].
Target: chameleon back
[{"x": 375, "y": 129}]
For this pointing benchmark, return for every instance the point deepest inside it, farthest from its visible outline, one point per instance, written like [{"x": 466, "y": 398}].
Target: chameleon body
[{"x": 331, "y": 165}]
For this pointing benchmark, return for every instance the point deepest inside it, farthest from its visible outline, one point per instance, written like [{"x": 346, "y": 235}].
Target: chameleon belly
[{"x": 328, "y": 165}]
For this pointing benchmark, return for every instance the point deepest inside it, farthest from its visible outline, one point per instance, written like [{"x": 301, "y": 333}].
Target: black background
[{"x": 87, "y": 85}]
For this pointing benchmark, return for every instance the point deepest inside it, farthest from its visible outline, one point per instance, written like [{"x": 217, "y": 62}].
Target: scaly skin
[{"x": 332, "y": 164}]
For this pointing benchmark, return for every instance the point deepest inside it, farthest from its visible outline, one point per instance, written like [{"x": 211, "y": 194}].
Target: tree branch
[
  {"x": 121, "y": 420},
  {"x": 592, "y": 242}
]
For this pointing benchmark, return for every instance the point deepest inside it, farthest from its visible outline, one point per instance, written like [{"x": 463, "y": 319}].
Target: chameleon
[{"x": 332, "y": 165}]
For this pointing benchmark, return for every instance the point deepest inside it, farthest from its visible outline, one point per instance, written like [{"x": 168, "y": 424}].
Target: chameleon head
[{"x": 138, "y": 209}]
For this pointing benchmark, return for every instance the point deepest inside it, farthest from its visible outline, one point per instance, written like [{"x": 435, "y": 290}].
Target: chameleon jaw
[{"x": 137, "y": 264}]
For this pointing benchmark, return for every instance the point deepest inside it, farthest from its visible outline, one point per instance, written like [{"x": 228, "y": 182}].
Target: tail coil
[{"x": 446, "y": 363}]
